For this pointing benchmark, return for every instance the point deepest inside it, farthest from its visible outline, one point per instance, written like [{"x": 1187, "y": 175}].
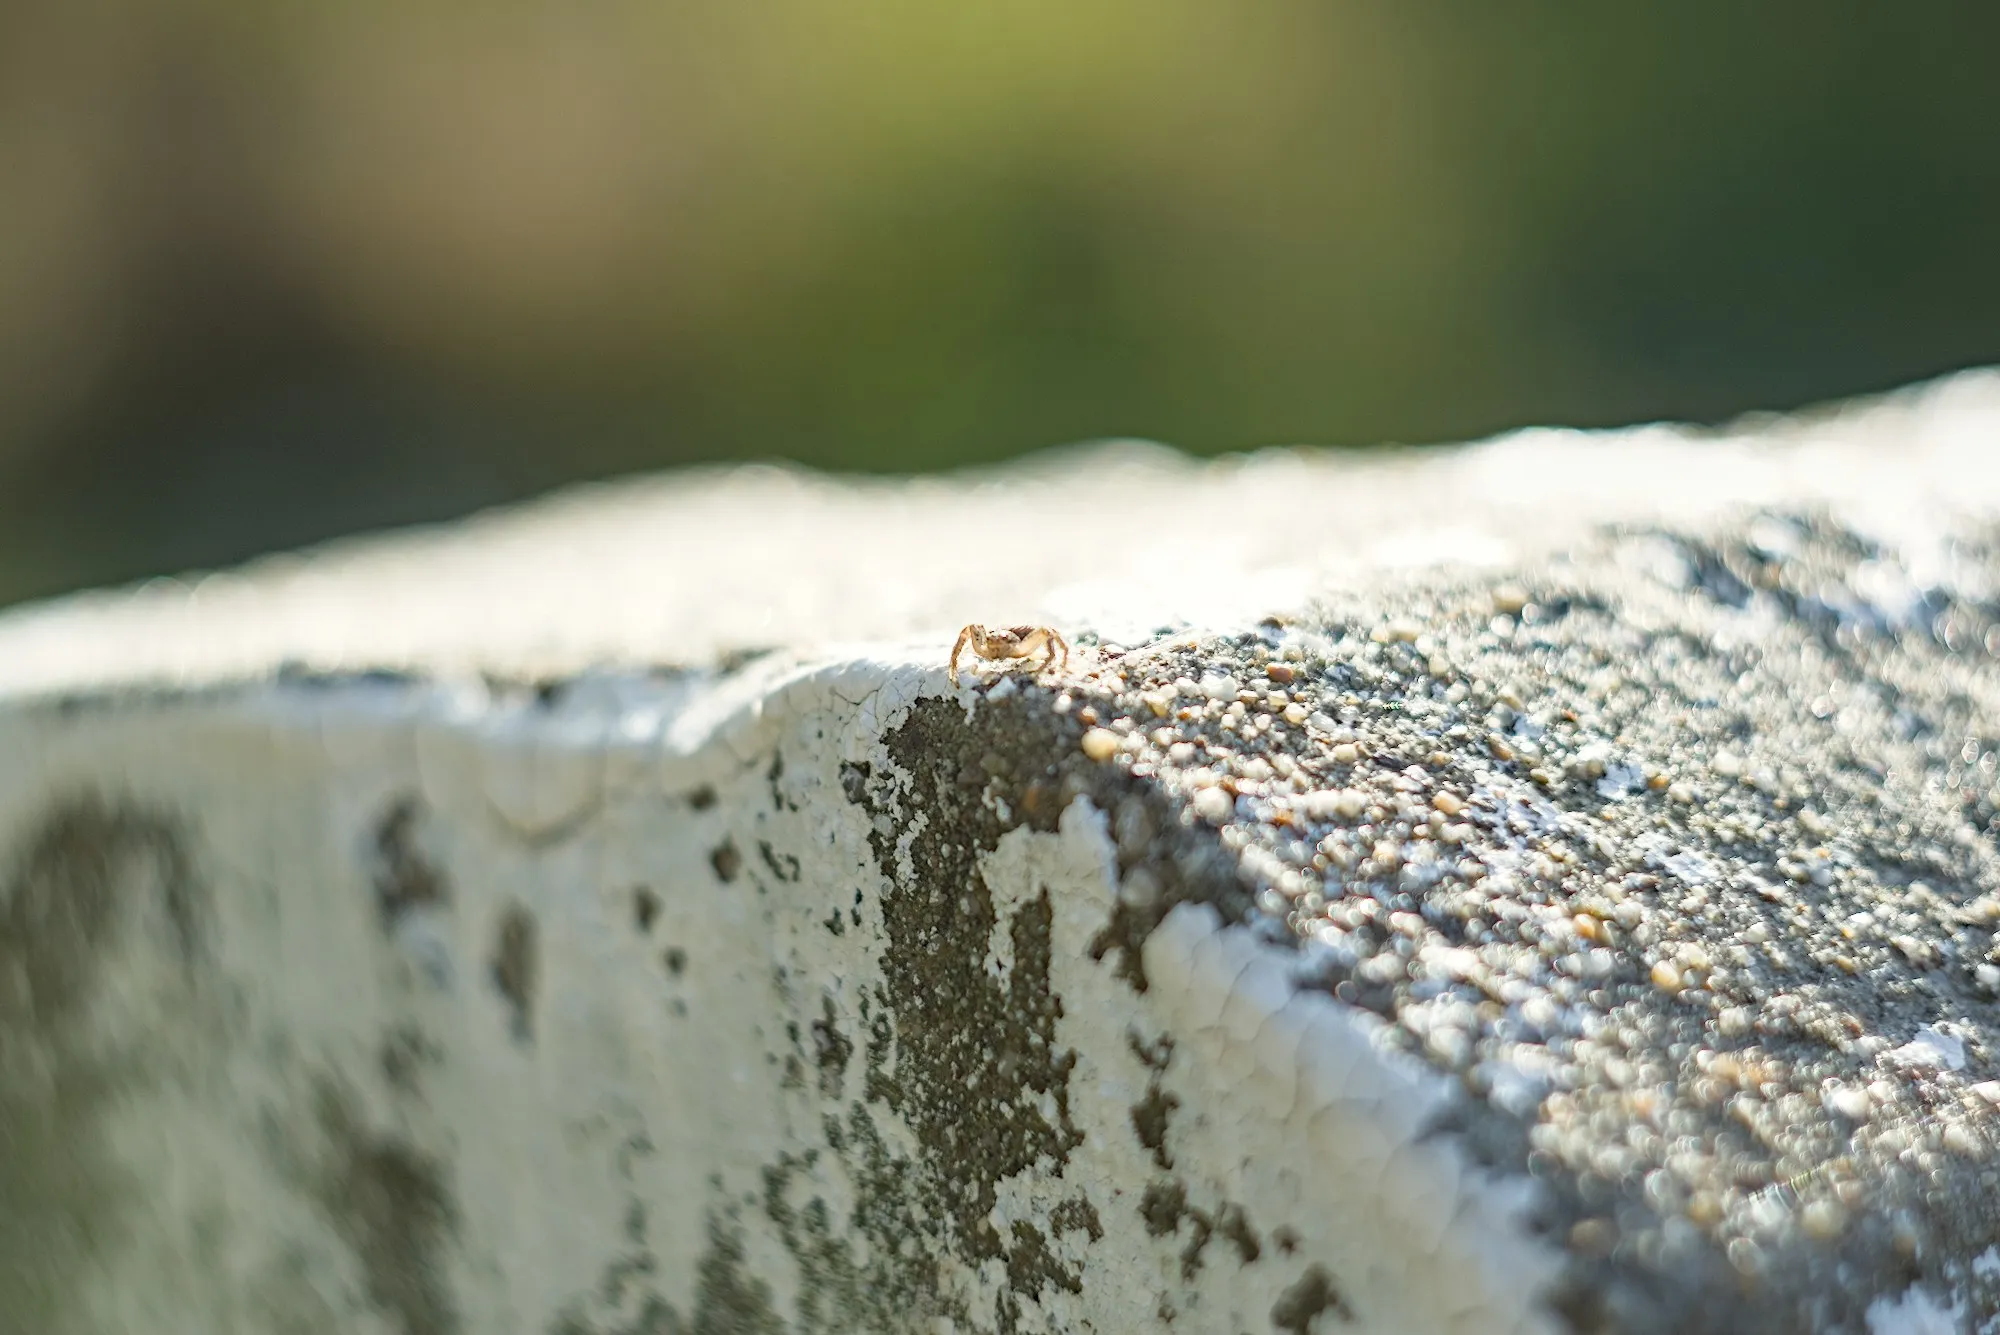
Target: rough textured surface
[{"x": 1529, "y": 889}]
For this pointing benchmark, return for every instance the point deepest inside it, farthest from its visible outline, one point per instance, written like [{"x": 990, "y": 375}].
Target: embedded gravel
[{"x": 1679, "y": 852}]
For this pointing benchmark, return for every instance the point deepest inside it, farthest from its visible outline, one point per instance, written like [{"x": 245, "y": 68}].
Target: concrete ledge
[{"x": 1536, "y": 887}]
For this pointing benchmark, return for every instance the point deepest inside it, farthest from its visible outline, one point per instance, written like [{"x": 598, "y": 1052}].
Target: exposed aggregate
[{"x": 1681, "y": 854}]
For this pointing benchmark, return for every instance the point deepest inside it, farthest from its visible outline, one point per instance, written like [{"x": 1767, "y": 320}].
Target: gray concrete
[{"x": 1549, "y": 885}]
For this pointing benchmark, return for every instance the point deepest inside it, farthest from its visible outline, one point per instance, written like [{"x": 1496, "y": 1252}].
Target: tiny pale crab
[{"x": 997, "y": 646}]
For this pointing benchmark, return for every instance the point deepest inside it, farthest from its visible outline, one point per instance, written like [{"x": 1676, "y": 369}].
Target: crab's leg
[
  {"x": 957, "y": 648},
  {"x": 1052, "y": 644}
]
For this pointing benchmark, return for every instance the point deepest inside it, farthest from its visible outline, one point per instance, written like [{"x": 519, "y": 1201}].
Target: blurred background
[{"x": 273, "y": 273}]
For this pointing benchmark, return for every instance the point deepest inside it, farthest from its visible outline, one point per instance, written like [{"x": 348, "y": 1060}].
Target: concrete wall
[{"x": 1545, "y": 886}]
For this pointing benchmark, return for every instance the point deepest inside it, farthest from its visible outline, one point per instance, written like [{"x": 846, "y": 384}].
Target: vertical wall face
[{"x": 344, "y": 1008}]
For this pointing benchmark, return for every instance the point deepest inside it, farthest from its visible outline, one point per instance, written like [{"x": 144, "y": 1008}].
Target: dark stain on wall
[
  {"x": 85, "y": 881},
  {"x": 516, "y": 970},
  {"x": 1313, "y": 1295},
  {"x": 405, "y": 879},
  {"x": 390, "y": 1205}
]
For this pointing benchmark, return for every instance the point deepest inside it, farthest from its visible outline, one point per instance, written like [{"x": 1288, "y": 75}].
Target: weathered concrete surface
[{"x": 1550, "y": 886}]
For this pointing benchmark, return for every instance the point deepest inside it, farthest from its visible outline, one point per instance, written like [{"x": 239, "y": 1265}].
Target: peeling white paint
[{"x": 652, "y": 1097}]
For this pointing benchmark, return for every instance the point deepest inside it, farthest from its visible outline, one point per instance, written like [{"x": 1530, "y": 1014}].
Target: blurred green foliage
[{"x": 272, "y": 273}]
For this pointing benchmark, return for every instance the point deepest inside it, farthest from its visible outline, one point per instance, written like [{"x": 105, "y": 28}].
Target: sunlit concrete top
[{"x": 684, "y": 569}]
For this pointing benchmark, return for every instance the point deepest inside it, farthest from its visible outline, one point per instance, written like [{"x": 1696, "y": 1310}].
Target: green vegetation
[{"x": 271, "y": 274}]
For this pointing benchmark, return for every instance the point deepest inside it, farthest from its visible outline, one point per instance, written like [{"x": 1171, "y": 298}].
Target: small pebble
[
  {"x": 1823, "y": 1220},
  {"x": 1593, "y": 1237},
  {"x": 1346, "y": 753},
  {"x": 1448, "y": 803},
  {"x": 1218, "y": 687},
  {"x": 1100, "y": 744},
  {"x": 1746, "y": 1256},
  {"x": 1213, "y": 805},
  {"x": 1140, "y": 888},
  {"x": 1592, "y": 761},
  {"x": 1667, "y": 977}
]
